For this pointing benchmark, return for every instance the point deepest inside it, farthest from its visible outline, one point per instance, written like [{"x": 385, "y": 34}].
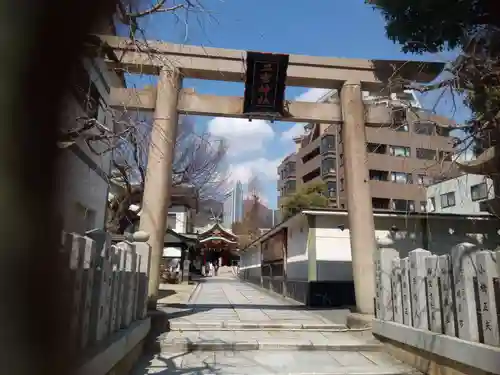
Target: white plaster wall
[
  {"x": 250, "y": 263},
  {"x": 181, "y": 218},
  {"x": 250, "y": 258},
  {"x": 463, "y": 200},
  {"x": 333, "y": 248},
  {"x": 297, "y": 254}
]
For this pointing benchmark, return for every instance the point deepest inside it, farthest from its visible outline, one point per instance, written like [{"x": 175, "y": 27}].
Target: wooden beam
[
  {"x": 191, "y": 103},
  {"x": 229, "y": 65}
]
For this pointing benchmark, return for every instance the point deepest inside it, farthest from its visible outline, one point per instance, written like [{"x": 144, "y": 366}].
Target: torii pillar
[
  {"x": 359, "y": 201},
  {"x": 158, "y": 184}
]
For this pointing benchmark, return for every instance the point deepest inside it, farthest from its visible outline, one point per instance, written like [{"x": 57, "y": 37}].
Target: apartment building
[
  {"x": 463, "y": 195},
  {"x": 406, "y": 151}
]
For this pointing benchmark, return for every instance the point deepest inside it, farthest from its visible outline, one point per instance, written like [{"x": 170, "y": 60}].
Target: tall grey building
[{"x": 233, "y": 205}]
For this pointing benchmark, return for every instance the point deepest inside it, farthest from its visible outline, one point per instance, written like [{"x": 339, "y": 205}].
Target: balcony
[
  {"x": 328, "y": 144},
  {"x": 289, "y": 187},
  {"x": 328, "y": 166},
  {"x": 288, "y": 171},
  {"x": 331, "y": 189},
  {"x": 391, "y": 190}
]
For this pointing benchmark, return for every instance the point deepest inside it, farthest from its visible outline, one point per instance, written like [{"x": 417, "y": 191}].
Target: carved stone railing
[
  {"x": 446, "y": 305},
  {"x": 107, "y": 287}
]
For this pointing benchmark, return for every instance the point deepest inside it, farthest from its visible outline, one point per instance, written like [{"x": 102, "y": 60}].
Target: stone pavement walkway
[
  {"x": 230, "y": 327},
  {"x": 175, "y": 293},
  {"x": 272, "y": 362},
  {"x": 231, "y": 301}
]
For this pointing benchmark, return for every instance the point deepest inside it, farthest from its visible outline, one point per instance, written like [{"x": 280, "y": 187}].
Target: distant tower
[{"x": 233, "y": 205}]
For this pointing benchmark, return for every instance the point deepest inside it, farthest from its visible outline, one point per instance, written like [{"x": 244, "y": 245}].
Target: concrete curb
[
  {"x": 194, "y": 292},
  {"x": 272, "y": 293},
  {"x": 187, "y": 345},
  {"x": 115, "y": 348},
  {"x": 179, "y": 325}
]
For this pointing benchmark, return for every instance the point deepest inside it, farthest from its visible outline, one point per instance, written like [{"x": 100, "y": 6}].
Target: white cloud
[
  {"x": 241, "y": 135},
  {"x": 264, "y": 169},
  {"x": 312, "y": 95},
  {"x": 295, "y": 131}
]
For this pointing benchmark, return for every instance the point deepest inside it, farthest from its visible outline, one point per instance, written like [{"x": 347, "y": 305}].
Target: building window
[
  {"x": 403, "y": 205},
  {"x": 86, "y": 91},
  {"x": 310, "y": 155},
  {"x": 381, "y": 203},
  {"x": 432, "y": 205},
  {"x": 377, "y": 175},
  {"x": 446, "y": 156},
  {"x": 423, "y": 206},
  {"x": 331, "y": 187},
  {"x": 401, "y": 177},
  {"x": 171, "y": 221},
  {"x": 424, "y": 180},
  {"x": 376, "y": 148},
  {"x": 424, "y": 127},
  {"x": 448, "y": 199},
  {"x": 327, "y": 143},
  {"x": 328, "y": 166},
  {"x": 399, "y": 151},
  {"x": 479, "y": 191},
  {"x": 341, "y": 184},
  {"x": 399, "y": 119},
  {"x": 443, "y": 131},
  {"x": 426, "y": 154},
  {"x": 289, "y": 169},
  {"x": 290, "y": 186}
]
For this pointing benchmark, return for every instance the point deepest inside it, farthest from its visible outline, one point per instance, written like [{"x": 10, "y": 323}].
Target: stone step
[
  {"x": 272, "y": 362},
  {"x": 259, "y": 340},
  {"x": 183, "y": 325}
]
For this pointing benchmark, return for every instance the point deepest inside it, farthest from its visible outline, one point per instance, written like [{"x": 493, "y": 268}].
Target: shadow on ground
[{"x": 162, "y": 293}]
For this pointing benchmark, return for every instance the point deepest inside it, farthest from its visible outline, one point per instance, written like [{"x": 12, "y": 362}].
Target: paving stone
[
  {"x": 381, "y": 358},
  {"x": 256, "y": 362},
  {"x": 232, "y": 328},
  {"x": 351, "y": 359},
  {"x": 221, "y": 335}
]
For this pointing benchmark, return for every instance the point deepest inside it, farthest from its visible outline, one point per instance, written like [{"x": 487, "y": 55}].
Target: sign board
[{"x": 265, "y": 83}]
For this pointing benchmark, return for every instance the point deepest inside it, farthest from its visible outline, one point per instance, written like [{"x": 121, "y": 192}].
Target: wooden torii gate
[{"x": 350, "y": 76}]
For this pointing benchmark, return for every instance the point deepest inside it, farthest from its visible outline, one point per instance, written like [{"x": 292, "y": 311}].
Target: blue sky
[{"x": 340, "y": 28}]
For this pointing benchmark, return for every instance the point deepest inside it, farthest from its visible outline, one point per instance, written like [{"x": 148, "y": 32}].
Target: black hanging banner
[{"x": 265, "y": 83}]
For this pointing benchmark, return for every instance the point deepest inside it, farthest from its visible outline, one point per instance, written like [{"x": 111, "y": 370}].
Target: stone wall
[
  {"x": 437, "y": 311},
  {"x": 108, "y": 289}
]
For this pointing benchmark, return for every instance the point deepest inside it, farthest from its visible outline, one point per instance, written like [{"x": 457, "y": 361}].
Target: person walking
[
  {"x": 216, "y": 267},
  {"x": 210, "y": 268}
]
